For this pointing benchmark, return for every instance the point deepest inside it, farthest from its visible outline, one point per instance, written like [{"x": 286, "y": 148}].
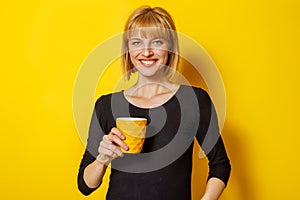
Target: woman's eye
[
  {"x": 157, "y": 42},
  {"x": 135, "y": 43}
]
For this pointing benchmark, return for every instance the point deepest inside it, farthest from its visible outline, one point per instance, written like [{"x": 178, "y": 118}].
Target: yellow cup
[{"x": 134, "y": 130}]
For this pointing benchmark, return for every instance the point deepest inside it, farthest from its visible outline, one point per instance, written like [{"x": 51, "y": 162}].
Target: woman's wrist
[
  {"x": 102, "y": 159},
  {"x": 99, "y": 166}
]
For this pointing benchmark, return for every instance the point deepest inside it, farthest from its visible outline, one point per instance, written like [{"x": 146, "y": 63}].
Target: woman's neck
[{"x": 148, "y": 88}]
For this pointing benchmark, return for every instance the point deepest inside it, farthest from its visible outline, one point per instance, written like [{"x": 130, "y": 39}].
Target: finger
[
  {"x": 107, "y": 152},
  {"x": 112, "y": 138},
  {"x": 117, "y": 132},
  {"x": 103, "y": 143},
  {"x": 114, "y": 156},
  {"x": 113, "y": 148},
  {"x": 115, "y": 139},
  {"x": 106, "y": 138}
]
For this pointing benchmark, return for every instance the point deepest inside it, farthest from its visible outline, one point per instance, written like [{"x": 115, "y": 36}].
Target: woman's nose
[{"x": 147, "y": 52}]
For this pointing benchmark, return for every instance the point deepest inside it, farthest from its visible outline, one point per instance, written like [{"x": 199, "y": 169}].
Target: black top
[{"x": 163, "y": 169}]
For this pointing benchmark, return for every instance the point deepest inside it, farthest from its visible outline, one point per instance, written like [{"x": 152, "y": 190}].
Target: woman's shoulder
[
  {"x": 197, "y": 90},
  {"x": 105, "y": 99},
  {"x": 197, "y": 93}
]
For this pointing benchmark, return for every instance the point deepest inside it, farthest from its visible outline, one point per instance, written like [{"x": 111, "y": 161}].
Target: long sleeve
[
  {"x": 210, "y": 140},
  {"x": 95, "y": 135},
  {"x": 82, "y": 186}
]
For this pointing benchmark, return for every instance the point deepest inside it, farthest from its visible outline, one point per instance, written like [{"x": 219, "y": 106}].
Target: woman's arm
[
  {"x": 83, "y": 187},
  {"x": 93, "y": 174},
  {"x": 92, "y": 170},
  {"x": 109, "y": 149},
  {"x": 211, "y": 142},
  {"x": 214, "y": 189},
  {"x": 101, "y": 149}
]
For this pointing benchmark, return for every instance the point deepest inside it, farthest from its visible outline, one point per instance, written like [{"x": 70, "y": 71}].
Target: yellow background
[{"x": 255, "y": 45}]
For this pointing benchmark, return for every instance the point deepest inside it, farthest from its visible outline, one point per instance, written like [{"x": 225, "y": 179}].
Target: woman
[{"x": 176, "y": 114}]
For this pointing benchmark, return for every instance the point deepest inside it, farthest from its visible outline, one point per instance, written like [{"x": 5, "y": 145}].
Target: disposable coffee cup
[{"x": 134, "y": 129}]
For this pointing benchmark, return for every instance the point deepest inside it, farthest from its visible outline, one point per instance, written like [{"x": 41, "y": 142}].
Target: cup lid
[{"x": 131, "y": 118}]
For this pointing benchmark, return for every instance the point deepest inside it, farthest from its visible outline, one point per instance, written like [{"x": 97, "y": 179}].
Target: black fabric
[{"x": 188, "y": 114}]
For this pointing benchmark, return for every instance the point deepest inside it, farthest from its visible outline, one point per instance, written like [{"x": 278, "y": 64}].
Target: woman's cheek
[{"x": 160, "y": 52}]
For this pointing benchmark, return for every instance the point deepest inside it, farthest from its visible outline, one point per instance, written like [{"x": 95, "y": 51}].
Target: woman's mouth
[{"x": 148, "y": 63}]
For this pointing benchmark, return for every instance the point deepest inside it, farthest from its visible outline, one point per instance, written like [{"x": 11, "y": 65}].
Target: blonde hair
[{"x": 163, "y": 24}]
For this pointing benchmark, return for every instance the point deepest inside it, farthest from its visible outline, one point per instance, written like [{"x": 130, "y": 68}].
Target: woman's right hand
[{"x": 110, "y": 146}]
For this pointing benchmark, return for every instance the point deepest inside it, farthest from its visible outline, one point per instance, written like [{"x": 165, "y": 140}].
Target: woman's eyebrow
[
  {"x": 158, "y": 38},
  {"x": 152, "y": 39},
  {"x": 134, "y": 38}
]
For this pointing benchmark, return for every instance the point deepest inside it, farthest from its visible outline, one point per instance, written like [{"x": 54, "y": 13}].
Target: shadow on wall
[
  {"x": 199, "y": 173},
  {"x": 190, "y": 74},
  {"x": 241, "y": 176}
]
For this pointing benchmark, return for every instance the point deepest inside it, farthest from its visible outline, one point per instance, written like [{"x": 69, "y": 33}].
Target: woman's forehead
[{"x": 148, "y": 32}]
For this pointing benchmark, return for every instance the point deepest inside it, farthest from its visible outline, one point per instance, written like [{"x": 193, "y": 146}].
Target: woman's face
[{"x": 149, "y": 54}]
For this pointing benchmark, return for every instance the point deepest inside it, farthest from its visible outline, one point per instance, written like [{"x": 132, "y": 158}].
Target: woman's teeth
[{"x": 147, "y": 62}]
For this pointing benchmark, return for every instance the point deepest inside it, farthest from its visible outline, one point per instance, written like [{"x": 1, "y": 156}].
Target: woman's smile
[{"x": 147, "y": 62}]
